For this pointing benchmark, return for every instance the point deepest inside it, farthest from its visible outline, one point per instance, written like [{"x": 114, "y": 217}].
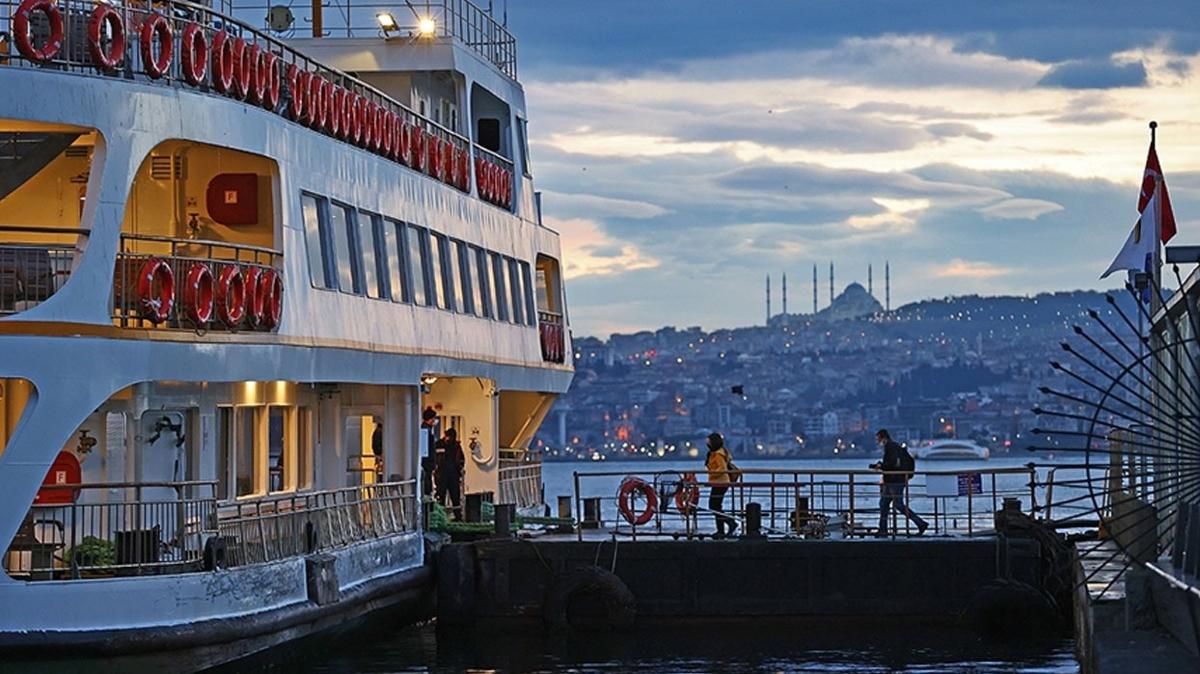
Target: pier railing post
[
  {"x": 578, "y": 508},
  {"x": 851, "y": 523}
]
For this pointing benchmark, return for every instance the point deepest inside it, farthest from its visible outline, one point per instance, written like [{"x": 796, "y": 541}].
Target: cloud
[
  {"x": 954, "y": 129},
  {"x": 569, "y": 205},
  {"x": 587, "y": 250},
  {"x": 1095, "y": 74},
  {"x": 959, "y": 268},
  {"x": 1019, "y": 209}
]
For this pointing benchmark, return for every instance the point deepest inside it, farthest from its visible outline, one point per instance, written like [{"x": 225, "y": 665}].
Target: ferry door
[
  {"x": 362, "y": 435},
  {"x": 165, "y": 454}
]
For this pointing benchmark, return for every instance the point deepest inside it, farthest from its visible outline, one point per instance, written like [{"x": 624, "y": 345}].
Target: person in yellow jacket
[{"x": 721, "y": 472}]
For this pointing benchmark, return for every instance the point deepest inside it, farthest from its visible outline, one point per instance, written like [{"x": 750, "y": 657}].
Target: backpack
[{"x": 908, "y": 465}]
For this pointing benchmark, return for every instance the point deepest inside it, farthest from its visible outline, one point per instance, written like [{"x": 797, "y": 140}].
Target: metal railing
[
  {"x": 288, "y": 525},
  {"x": 552, "y": 335},
  {"x": 95, "y": 537},
  {"x": 520, "y": 478},
  {"x": 813, "y": 503},
  {"x": 35, "y": 263},
  {"x": 181, "y": 255}
]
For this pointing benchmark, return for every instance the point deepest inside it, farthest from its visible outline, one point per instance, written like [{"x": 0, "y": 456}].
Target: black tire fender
[{"x": 620, "y": 606}]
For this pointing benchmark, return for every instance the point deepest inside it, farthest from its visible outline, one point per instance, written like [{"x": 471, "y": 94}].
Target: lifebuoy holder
[{"x": 629, "y": 489}]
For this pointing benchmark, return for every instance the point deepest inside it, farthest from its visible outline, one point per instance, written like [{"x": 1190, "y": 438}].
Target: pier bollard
[
  {"x": 474, "y": 508},
  {"x": 753, "y": 520},
  {"x": 506, "y": 515},
  {"x": 591, "y": 513},
  {"x": 564, "y": 507}
]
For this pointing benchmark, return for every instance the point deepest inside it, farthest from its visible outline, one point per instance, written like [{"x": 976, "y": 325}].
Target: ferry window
[
  {"x": 527, "y": 293},
  {"x": 478, "y": 264},
  {"x": 522, "y": 140},
  {"x": 418, "y": 265},
  {"x": 247, "y": 482},
  {"x": 437, "y": 259},
  {"x": 462, "y": 278},
  {"x": 225, "y": 431},
  {"x": 548, "y": 298},
  {"x": 341, "y": 220},
  {"x": 394, "y": 261},
  {"x": 277, "y": 454},
  {"x": 514, "y": 285},
  {"x": 488, "y": 134},
  {"x": 368, "y": 223},
  {"x": 499, "y": 287},
  {"x": 314, "y": 241},
  {"x": 305, "y": 466}
]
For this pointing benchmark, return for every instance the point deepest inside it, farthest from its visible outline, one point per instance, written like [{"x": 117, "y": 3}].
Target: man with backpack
[{"x": 898, "y": 467}]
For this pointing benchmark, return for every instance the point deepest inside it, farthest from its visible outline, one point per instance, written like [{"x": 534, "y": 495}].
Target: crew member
[{"x": 450, "y": 464}]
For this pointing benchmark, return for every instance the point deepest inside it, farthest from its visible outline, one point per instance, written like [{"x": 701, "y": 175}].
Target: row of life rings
[
  {"x": 687, "y": 498},
  {"x": 494, "y": 182},
  {"x": 236, "y": 295}
]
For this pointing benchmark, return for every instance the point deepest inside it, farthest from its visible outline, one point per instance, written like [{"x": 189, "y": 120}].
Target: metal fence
[
  {"x": 520, "y": 480},
  {"x": 35, "y": 262},
  {"x": 139, "y": 535},
  {"x": 277, "y": 527},
  {"x": 813, "y": 503}
]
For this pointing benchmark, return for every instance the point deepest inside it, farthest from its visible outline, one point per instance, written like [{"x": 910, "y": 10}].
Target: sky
[{"x": 686, "y": 150}]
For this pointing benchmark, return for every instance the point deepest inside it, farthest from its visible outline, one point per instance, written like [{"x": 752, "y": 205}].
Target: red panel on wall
[
  {"x": 64, "y": 470},
  {"x": 233, "y": 198}
]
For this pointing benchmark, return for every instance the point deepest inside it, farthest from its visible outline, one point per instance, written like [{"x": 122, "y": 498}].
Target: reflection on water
[{"x": 751, "y": 645}]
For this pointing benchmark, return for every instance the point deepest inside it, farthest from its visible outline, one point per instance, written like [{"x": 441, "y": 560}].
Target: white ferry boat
[
  {"x": 949, "y": 449},
  {"x": 248, "y": 258}
]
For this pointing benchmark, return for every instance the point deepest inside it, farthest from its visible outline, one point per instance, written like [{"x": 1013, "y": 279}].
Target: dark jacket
[
  {"x": 450, "y": 459},
  {"x": 892, "y": 460}
]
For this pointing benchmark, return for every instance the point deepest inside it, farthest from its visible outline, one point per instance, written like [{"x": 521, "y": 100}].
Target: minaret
[
  {"x": 768, "y": 299},
  {"x": 831, "y": 283},
  {"x": 887, "y": 286},
  {"x": 785, "y": 293},
  {"x": 814, "y": 288},
  {"x": 870, "y": 286}
]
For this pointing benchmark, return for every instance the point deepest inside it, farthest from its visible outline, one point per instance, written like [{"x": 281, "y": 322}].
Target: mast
[
  {"x": 887, "y": 286},
  {"x": 814, "y": 288},
  {"x": 831, "y": 283},
  {"x": 785, "y": 293},
  {"x": 318, "y": 27},
  {"x": 768, "y": 299}
]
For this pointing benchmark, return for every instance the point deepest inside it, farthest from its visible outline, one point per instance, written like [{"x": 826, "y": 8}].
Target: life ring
[
  {"x": 405, "y": 150},
  {"x": 268, "y": 72},
  {"x": 297, "y": 84},
  {"x": 231, "y": 296},
  {"x": 625, "y": 494},
  {"x": 194, "y": 53},
  {"x": 156, "y": 28},
  {"x": 363, "y": 113},
  {"x": 255, "y": 301},
  {"x": 20, "y": 27},
  {"x": 156, "y": 290},
  {"x": 313, "y": 110},
  {"x": 687, "y": 494},
  {"x": 350, "y": 117},
  {"x": 433, "y": 152},
  {"x": 388, "y": 146},
  {"x": 106, "y": 59},
  {"x": 379, "y": 117},
  {"x": 418, "y": 149},
  {"x": 250, "y": 69},
  {"x": 446, "y": 160},
  {"x": 223, "y": 61},
  {"x": 337, "y": 105},
  {"x": 198, "y": 295},
  {"x": 329, "y": 100},
  {"x": 270, "y": 286},
  {"x": 243, "y": 69},
  {"x": 464, "y": 171}
]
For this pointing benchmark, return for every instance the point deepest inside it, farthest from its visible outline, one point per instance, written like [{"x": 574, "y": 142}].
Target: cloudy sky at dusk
[{"x": 686, "y": 149}]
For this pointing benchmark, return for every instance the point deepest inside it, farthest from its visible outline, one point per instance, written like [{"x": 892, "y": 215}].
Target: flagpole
[{"x": 1157, "y": 198}]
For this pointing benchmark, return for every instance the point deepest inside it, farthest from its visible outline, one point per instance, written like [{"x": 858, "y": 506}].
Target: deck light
[
  {"x": 387, "y": 22},
  {"x": 426, "y": 27}
]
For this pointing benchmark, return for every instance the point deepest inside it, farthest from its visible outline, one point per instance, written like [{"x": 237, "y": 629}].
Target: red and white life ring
[
  {"x": 464, "y": 170},
  {"x": 255, "y": 300},
  {"x": 350, "y": 117},
  {"x": 231, "y": 296},
  {"x": 625, "y": 496},
  {"x": 297, "y": 86},
  {"x": 337, "y": 112},
  {"x": 107, "y": 58},
  {"x": 687, "y": 494},
  {"x": 251, "y": 68},
  {"x": 268, "y": 73},
  {"x": 446, "y": 149},
  {"x": 419, "y": 138},
  {"x": 198, "y": 295},
  {"x": 433, "y": 156},
  {"x": 270, "y": 286},
  {"x": 20, "y": 27},
  {"x": 243, "y": 69},
  {"x": 318, "y": 93},
  {"x": 156, "y": 290},
  {"x": 363, "y": 115},
  {"x": 379, "y": 130},
  {"x": 156, "y": 28},
  {"x": 405, "y": 142},
  {"x": 223, "y": 62},
  {"x": 387, "y": 145},
  {"x": 194, "y": 54}
]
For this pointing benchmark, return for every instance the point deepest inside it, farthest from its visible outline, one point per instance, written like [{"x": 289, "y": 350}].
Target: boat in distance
[{"x": 951, "y": 449}]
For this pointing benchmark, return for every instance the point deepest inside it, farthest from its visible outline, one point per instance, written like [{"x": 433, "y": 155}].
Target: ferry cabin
[{"x": 228, "y": 257}]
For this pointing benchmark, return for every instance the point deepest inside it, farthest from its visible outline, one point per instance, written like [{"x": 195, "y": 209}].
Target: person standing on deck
[
  {"x": 450, "y": 464},
  {"x": 721, "y": 472},
  {"x": 897, "y": 466},
  {"x": 429, "y": 424}
]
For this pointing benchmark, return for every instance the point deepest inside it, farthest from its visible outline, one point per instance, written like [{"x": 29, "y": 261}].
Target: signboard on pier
[
  {"x": 970, "y": 483},
  {"x": 949, "y": 486}
]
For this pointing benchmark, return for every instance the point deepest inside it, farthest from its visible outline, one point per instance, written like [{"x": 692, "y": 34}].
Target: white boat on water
[
  {"x": 951, "y": 449},
  {"x": 242, "y": 273}
]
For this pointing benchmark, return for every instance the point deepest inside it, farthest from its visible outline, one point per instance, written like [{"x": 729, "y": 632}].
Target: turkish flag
[{"x": 1151, "y": 179}]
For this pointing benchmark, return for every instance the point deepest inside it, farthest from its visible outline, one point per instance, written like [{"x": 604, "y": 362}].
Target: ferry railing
[
  {"x": 496, "y": 192},
  {"x": 97, "y": 537},
  {"x": 813, "y": 503},
  {"x": 281, "y": 526},
  {"x": 520, "y": 479},
  {"x": 552, "y": 334},
  {"x": 181, "y": 255},
  {"x": 35, "y": 263},
  {"x": 75, "y": 57}
]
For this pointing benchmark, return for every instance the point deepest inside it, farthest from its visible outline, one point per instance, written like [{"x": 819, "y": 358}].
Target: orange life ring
[
  {"x": 194, "y": 53},
  {"x": 255, "y": 300},
  {"x": 156, "y": 28},
  {"x": 20, "y": 28},
  {"x": 464, "y": 171},
  {"x": 106, "y": 59},
  {"x": 198, "y": 295},
  {"x": 156, "y": 290},
  {"x": 625, "y": 494},
  {"x": 447, "y": 161},
  {"x": 268, "y": 72},
  {"x": 270, "y": 286},
  {"x": 687, "y": 494},
  {"x": 223, "y": 61},
  {"x": 297, "y": 84},
  {"x": 231, "y": 296}
]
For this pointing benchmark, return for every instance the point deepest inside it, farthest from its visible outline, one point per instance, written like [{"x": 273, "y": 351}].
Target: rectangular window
[
  {"x": 225, "y": 442},
  {"x": 478, "y": 264},
  {"x": 368, "y": 223},
  {"x": 341, "y": 221},
  {"x": 543, "y": 290},
  {"x": 394, "y": 261},
  {"x": 314, "y": 241},
  {"x": 527, "y": 293},
  {"x": 247, "y": 482},
  {"x": 514, "y": 285},
  {"x": 523, "y": 141},
  {"x": 437, "y": 259},
  {"x": 418, "y": 265},
  {"x": 462, "y": 278},
  {"x": 277, "y": 454},
  {"x": 306, "y": 469},
  {"x": 499, "y": 287}
]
